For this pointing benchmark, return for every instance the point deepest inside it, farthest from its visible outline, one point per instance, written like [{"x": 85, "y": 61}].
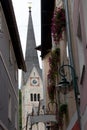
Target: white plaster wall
[
  {"x": 84, "y": 4},
  {"x": 27, "y": 105}
]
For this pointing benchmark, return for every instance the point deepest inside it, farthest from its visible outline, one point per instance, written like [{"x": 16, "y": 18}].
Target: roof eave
[
  {"x": 13, "y": 30},
  {"x": 47, "y": 8}
]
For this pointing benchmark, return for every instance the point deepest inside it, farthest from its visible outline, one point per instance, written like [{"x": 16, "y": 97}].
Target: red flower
[{"x": 58, "y": 24}]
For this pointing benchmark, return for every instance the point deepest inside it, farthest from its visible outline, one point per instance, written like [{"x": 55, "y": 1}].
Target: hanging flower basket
[{"x": 58, "y": 24}]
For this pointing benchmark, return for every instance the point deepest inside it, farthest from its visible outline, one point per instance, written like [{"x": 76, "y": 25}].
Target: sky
[{"x": 21, "y": 9}]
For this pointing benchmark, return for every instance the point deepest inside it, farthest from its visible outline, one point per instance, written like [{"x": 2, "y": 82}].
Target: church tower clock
[
  {"x": 34, "y": 81},
  {"x": 32, "y": 87}
]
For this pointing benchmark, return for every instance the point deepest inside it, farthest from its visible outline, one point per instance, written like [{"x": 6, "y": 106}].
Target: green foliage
[
  {"x": 53, "y": 63},
  {"x": 63, "y": 109},
  {"x": 51, "y": 92},
  {"x": 53, "y": 73}
]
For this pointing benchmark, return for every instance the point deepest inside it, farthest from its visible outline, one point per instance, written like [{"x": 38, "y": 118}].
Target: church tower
[{"x": 32, "y": 87}]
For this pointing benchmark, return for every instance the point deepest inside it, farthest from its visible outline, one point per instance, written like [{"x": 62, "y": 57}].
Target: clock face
[{"x": 34, "y": 81}]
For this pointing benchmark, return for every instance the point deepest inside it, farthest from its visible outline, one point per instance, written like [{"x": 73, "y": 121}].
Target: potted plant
[
  {"x": 63, "y": 109},
  {"x": 58, "y": 24}
]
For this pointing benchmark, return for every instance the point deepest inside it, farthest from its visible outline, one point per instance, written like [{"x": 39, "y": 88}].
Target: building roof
[
  {"x": 38, "y": 48},
  {"x": 13, "y": 30},
  {"x": 47, "y": 7},
  {"x": 31, "y": 57}
]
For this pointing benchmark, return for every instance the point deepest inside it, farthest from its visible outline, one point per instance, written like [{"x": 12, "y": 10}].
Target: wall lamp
[{"x": 64, "y": 84}]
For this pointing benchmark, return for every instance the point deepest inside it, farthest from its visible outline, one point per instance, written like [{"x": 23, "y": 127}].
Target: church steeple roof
[
  {"x": 31, "y": 57},
  {"x": 31, "y": 53}
]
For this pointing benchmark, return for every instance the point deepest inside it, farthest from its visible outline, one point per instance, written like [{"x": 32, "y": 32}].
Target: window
[
  {"x": 79, "y": 33},
  {"x": 80, "y": 47},
  {"x": 31, "y": 97},
  {"x": 38, "y": 96},
  {"x": 35, "y": 97},
  {"x": 9, "y": 107},
  {"x": 34, "y": 73}
]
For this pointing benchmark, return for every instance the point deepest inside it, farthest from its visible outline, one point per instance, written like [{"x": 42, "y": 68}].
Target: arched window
[
  {"x": 35, "y": 97},
  {"x": 38, "y": 96},
  {"x": 31, "y": 97}
]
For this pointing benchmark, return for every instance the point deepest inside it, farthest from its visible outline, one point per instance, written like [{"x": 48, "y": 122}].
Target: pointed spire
[
  {"x": 31, "y": 44},
  {"x": 31, "y": 57}
]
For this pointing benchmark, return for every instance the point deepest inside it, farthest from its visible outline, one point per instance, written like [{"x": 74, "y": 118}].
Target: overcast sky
[
  {"x": 22, "y": 14},
  {"x": 21, "y": 8}
]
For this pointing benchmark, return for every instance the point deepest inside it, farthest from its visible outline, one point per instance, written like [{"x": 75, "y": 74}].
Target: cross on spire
[{"x": 30, "y": 3}]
